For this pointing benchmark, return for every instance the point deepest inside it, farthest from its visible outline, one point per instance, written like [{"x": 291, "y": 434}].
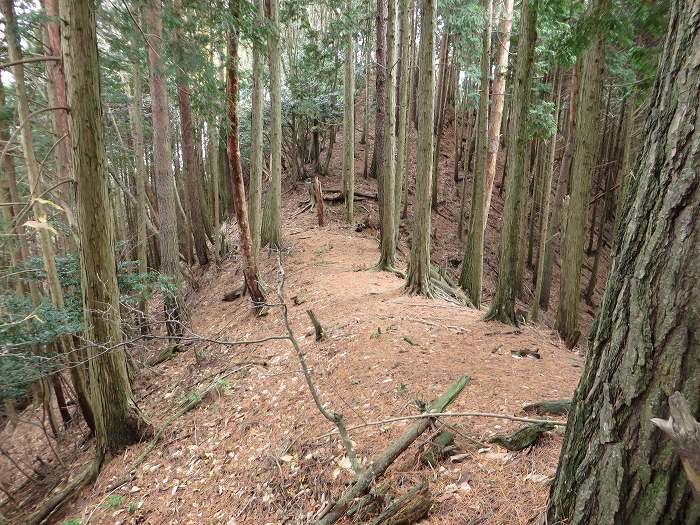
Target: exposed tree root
[{"x": 86, "y": 477}]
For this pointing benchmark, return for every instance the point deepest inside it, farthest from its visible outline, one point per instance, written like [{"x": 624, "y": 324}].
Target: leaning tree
[{"x": 616, "y": 466}]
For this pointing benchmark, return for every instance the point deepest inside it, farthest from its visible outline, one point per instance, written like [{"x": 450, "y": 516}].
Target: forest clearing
[{"x": 316, "y": 262}]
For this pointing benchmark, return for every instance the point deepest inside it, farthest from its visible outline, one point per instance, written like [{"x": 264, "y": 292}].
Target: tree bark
[
  {"x": 473, "y": 265},
  {"x": 163, "y": 167},
  {"x": 272, "y": 222},
  {"x": 250, "y": 269},
  {"x": 616, "y": 467},
  {"x": 418, "y": 277},
  {"x": 581, "y": 174},
  {"x": 553, "y": 226},
  {"x": 387, "y": 259},
  {"x": 503, "y": 307},
  {"x": 256, "y": 141},
  {"x": 440, "y": 102},
  {"x": 544, "y": 209},
  {"x": 192, "y": 182},
  {"x": 402, "y": 106},
  {"x": 349, "y": 127},
  {"x": 380, "y": 96},
  {"x": 118, "y": 420}
]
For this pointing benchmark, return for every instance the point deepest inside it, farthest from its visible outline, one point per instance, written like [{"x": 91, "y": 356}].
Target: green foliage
[
  {"x": 114, "y": 501},
  {"x": 72, "y": 521},
  {"x": 28, "y": 332}
]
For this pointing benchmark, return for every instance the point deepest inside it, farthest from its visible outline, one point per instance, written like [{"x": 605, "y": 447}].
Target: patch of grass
[{"x": 114, "y": 501}]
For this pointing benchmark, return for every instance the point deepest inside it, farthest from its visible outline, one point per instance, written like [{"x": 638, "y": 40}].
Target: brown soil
[{"x": 255, "y": 451}]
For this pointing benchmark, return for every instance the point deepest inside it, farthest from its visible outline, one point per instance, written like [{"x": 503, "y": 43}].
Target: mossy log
[
  {"x": 439, "y": 448},
  {"x": 557, "y": 407},
  {"x": 409, "y": 508},
  {"x": 523, "y": 438},
  {"x": 379, "y": 464}
]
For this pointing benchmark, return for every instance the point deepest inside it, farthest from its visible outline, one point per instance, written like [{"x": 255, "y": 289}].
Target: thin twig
[{"x": 449, "y": 414}]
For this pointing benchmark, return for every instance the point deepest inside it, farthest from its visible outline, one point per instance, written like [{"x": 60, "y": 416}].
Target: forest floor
[{"x": 256, "y": 451}]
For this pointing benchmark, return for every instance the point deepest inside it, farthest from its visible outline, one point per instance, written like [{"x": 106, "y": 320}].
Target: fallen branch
[
  {"x": 522, "y": 438},
  {"x": 318, "y": 328},
  {"x": 334, "y": 417},
  {"x": 382, "y": 462},
  {"x": 450, "y": 414}
]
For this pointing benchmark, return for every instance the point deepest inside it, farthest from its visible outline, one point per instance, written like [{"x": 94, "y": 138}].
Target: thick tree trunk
[
  {"x": 616, "y": 467},
  {"x": 349, "y": 128},
  {"x": 503, "y": 307},
  {"x": 250, "y": 268},
  {"x": 192, "y": 182},
  {"x": 272, "y": 221},
  {"x": 418, "y": 277},
  {"x": 387, "y": 259},
  {"x": 256, "y": 141},
  {"x": 365, "y": 120},
  {"x": 473, "y": 265},
  {"x": 163, "y": 167},
  {"x": 580, "y": 191},
  {"x": 118, "y": 420}
]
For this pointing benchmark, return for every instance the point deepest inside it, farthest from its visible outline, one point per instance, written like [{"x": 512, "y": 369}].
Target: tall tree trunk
[
  {"x": 118, "y": 420},
  {"x": 544, "y": 208},
  {"x": 256, "y": 141},
  {"x": 250, "y": 269},
  {"x": 272, "y": 221},
  {"x": 349, "y": 127},
  {"x": 36, "y": 194},
  {"x": 365, "y": 121},
  {"x": 616, "y": 467},
  {"x": 555, "y": 221},
  {"x": 57, "y": 88},
  {"x": 437, "y": 131},
  {"x": 418, "y": 277},
  {"x": 192, "y": 181},
  {"x": 473, "y": 265},
  {"x": 411, "y": 102},
  {"x": 136, "y": 119},
  {"x": 380, "y": 97},
  {"x": 503, "y": 307},
  {"x": 580, "y": 191},
  {"x": 215, "y": 174},
  {"x": 402, "y": 105},
  {"x": 163, "y": 168},
  {"x": 387, "y": 259}
]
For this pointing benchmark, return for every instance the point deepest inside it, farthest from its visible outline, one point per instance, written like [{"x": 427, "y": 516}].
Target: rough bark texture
[
  {"x": 497, "y": 100},
  {"x": 418, "y": 278},
  {"x": 503, "y": 307},
  {"x": 192, "y": 182},
  {"x": 118, "y": 421},
  {"x": 349, "y": 129},
  {"x": 387, "y": 259},
  {"x": 583, "y": 164},
  {"x": 250, "y": 268},
  {"x": 256, "y": 141},
  {"x": 272, "y": 222},
  {"x": 473, "y": 266},
  {"x": 162, "y": 164},
  {"x": 616, "y": 467}
]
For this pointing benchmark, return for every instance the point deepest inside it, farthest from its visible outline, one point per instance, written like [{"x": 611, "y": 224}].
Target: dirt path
[{"x": 251, "y": 452}]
